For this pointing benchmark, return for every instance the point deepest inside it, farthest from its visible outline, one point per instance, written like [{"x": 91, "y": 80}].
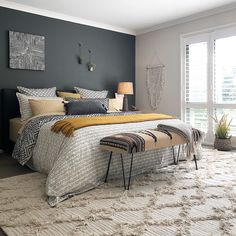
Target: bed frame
[{"x": 9, "y": 109}]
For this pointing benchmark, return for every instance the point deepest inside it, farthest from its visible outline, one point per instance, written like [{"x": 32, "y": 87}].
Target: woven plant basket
[{"x": 223, "y": 144}]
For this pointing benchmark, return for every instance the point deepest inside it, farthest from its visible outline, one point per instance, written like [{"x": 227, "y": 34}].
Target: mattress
[{"x": 15, "y": 126}]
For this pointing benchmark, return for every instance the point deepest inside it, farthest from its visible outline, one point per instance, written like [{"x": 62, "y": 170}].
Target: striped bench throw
[{"x": 140, "y": 141}]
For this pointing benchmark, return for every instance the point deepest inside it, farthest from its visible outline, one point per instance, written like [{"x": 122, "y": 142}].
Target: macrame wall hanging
[{"x": 155, "y": 83}]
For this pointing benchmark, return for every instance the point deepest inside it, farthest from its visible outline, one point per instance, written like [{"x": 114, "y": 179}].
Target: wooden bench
[{"x": 133, "y": 142}]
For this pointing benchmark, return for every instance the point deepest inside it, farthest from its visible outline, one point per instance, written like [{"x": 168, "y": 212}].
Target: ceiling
[{"x": 129, "y": 16}]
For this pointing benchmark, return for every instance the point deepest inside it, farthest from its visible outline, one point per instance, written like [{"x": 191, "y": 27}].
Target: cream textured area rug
[{"x": 177, "y": 200}]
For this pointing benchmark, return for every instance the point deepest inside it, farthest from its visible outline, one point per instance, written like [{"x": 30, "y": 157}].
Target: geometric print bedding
[
  {"x": 176, "y": 200},
  {"x": 24, "y": 146},
  {"x": 87, "y": 93},
  {"x": 44, "y": 92},
  {"x": 26, "y": 141},
  {"x": 76, "y": 165}
]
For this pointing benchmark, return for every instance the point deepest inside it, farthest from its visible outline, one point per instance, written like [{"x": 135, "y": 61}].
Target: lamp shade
[{"x": 125, "y": 88}]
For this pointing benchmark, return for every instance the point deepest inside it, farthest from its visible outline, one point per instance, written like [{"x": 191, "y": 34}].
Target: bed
[{"x": 76, "y": 164}]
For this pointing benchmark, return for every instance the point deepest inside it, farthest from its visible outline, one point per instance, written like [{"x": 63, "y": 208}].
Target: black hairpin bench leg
[
  {"x": 130, "y": 170},
  {"x": 195, "y": 160},
  {"x": 123, "y": 170},
  {"x": 173, "y": 150},
  {"x": 177, "y": 161},
  {"x": 108, "y": 167}
]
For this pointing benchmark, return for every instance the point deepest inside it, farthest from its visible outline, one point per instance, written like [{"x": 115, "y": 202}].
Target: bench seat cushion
[{"x": 140, "y": 141}]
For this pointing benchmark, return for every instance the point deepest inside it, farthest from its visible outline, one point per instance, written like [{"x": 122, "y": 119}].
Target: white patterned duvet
[{"x": 76, "y": 164}]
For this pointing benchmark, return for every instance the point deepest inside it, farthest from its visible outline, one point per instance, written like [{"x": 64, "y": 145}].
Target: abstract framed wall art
[{"x": 26, "y": 51}]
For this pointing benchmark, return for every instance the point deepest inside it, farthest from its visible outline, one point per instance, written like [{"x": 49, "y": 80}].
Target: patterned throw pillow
[
  {"x": 87, "y": 93},
  {"x": 104, "y": 101},
  {"x": 44, "y": 92},
  {"x": 25, "y": 109}
]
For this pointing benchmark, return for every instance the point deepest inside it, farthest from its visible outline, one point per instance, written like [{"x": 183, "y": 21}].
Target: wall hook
[
  {"x": 80, "y": 58},
  {"x": 91, "y": 66}
]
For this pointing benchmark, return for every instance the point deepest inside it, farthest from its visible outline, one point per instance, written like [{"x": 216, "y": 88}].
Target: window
[
  {"x": 209, "y": 77},
  {"x": 225, "y": 70},
  {"x": 196, "y": 72}
]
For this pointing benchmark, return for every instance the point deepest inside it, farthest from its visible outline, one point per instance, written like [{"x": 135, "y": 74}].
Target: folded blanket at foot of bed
[
  {"x": 192, "y": 136},
  {"x": 68, "y": 126}
]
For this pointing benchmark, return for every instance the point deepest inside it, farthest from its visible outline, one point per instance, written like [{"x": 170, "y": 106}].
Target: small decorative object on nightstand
[{"x": 125, "y": 88}]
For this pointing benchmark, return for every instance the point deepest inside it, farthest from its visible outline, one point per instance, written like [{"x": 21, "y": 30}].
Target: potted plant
[{"x": 222, "y": 137}]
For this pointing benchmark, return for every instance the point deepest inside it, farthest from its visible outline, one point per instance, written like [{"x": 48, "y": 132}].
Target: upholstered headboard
[{"x": 10, "y": 109}]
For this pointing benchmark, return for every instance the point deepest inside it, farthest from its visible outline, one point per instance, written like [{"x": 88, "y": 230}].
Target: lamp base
[{"x": 125, "y": 103}]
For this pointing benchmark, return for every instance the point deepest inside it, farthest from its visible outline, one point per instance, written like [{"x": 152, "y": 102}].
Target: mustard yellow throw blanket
[{"x": 68, "y": 126}]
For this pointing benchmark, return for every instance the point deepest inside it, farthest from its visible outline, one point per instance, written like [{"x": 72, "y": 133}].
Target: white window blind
[
  {"x": 196, "y": 85},
  {"x": 209, "y": 79},
  {"x": 197, "y": 117},
  {"x": 196, "y": 72},
  {"x": 225, "y": 78},
  {"x": 225, "y": 70}
]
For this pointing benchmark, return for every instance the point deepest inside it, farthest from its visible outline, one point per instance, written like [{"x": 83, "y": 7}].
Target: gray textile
[
  {"x": 190, "y": 134},
  {"x": 104, "y": 101},
  {"x": 80, "y": 107}
]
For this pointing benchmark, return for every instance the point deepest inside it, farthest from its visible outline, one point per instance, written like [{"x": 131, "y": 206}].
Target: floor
[
  {"x": 176, "y": 200},
  {"x": 10, "y": 167}
]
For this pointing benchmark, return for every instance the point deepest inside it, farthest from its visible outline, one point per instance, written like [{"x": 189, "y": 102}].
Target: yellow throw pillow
[
  {"x": 40, "y": 107},
  {"x": 68, "y": 95}
]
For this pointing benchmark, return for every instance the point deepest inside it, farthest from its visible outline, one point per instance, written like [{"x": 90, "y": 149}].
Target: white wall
[{"x": 166, "y": 44}]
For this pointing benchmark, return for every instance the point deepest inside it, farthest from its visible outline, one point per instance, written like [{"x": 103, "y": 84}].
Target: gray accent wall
[{"x": 113, "y": 54}]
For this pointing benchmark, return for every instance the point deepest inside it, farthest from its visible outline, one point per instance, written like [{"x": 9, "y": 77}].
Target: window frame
[{"x": 209, "y": 37}]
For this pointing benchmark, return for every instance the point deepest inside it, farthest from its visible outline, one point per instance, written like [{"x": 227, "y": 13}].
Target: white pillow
[
  {"x": 115, "y": 104},
  {"x": 87, "y": 93},
  {"x": 44, "y": 92},
  {"x": 25, "y": 109},
  {"x": 117, "y": 95}
]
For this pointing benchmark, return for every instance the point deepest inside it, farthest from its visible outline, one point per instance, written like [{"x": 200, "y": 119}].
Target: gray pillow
[
  {"x": 104, "y": 101},
  {"x": 87, "y": 93},
  {"x": 84, "y": 108},
  {"x": 44, "y": 92}
]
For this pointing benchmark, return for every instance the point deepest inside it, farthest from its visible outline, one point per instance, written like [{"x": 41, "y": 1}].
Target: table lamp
[{"x": 125, "y": 88}]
